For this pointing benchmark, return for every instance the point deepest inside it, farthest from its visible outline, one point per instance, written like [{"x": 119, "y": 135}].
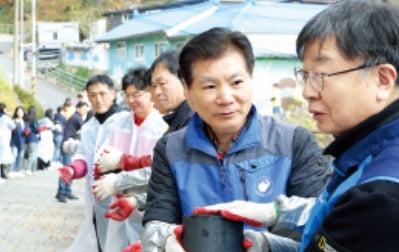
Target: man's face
[
  {"x": 139, "y": 101},
  {"x": 166, "y": 89},
  {"x": 82, "y": 111},
  {"x": 346, "y": 99},
  {"x": 101, "y": 97},
  {"x": 221, "y": 92}
]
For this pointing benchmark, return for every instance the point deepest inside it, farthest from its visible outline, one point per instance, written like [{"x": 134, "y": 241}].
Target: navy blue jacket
[{"x": 17, "y": 137}]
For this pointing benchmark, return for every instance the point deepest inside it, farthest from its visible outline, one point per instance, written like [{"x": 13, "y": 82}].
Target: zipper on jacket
[
  {"x": 244, "y": 184},
  {"x": 220, "y": 157}
]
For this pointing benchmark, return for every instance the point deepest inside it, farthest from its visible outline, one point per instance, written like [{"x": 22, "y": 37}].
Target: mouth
[
  {"x": 316, "y": 114},
  {"x": 228, "y": 114}
]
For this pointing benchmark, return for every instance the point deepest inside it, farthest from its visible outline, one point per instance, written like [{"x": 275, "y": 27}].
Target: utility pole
[
  {"x": 21, "y": 45},
  {"x": 33, "y": 67},
  {"x": 15, "y": 77}
]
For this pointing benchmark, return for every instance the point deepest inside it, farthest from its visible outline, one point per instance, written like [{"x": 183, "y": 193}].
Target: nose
[
  {"x": 309, "y": 93},
  {"x": 225, "y": 95}
]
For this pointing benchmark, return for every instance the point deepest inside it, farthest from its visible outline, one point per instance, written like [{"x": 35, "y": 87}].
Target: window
[
  {"x": 139, "y": 51},
  {"x": 159, "y": 47},
  {"x": 121, "y": 49}
]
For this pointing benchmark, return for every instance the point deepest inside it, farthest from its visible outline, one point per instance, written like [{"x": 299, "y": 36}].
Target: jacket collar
[{"x": 365, "y": 139}]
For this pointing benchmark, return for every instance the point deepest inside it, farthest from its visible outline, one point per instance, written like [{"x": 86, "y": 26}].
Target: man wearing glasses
[{"x": 350, "y": 55}]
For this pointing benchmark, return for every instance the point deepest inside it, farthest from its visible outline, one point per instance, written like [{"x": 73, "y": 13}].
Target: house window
[
  {"x": 121, "y": 49},
  {"x": 138, "y": 51},
  {"x": 159, "y": 47}
]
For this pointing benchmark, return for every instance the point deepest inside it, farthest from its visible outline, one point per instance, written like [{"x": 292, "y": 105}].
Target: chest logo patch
[{"x": 263, "y": 186}]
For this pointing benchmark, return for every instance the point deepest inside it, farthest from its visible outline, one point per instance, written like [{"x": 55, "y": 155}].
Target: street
[{"x": 31, "y": 219}]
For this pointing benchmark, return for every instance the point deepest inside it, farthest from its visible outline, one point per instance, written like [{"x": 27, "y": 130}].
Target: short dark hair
[
  {"x": 100, "y": 78},
  {"x": 134, "y": 77},
  {"x": 81, "y": 104},
  {"x": 363, "y": 29},
  {"x": 212, "y": 44},
  {"x": 170, "y": 59}
]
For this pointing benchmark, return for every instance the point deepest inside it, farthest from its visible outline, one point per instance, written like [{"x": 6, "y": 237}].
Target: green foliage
[
  {"x": 297, "y": 114},
  {"x": 27, "y": 100},
  {"x": 82, "y": 72},
  {"x": 7, "y": 95}
]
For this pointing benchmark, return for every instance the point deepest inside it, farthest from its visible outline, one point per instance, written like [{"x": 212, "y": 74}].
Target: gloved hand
[
  {"x": 120, "y": 209},
  {"x": 134, "y": 247},
  {"x": 66, "y": 173},
  {"x": 70, "y": 145},
  {"x": 255, "y": 241},
  {"x": 108, "y": 160},
  {"x": 26, "y": 132},
  {"x": 174, "y": 243},
  {"x": 105, "y": 186},
  {"x": 255, "y": 214}
]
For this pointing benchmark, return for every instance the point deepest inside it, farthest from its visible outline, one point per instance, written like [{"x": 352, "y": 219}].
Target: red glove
[
  {"x": 43, "y": 128},
  {"x": 129, "y": 162},
  {"x": 121, "y": 209},
  {"x": 26, "y": 132},
  {"x": 134, "y": 247},
  {"x": 66, "y": 173},
  {"x": 255, "y": 214}
]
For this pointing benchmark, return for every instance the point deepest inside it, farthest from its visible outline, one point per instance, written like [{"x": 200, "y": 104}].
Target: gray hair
[{"x": 363, "y": 29}]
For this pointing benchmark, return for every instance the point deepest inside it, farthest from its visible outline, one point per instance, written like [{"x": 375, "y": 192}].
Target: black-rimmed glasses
[{"x": 316, "y": 79}]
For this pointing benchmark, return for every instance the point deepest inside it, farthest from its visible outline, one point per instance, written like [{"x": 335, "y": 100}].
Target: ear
[
  {"x": 386, "y": 81},
  {"x": 188, "y": 95}
]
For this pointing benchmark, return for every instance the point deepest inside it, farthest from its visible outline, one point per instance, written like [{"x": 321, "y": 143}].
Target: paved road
[{"x": 31, "y": 219}]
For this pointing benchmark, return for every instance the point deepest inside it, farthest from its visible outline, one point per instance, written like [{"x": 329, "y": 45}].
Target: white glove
[
  {"x": 70, "y": 146},
  {"x": 172, "y": 243},
  {"x": 105, "y": 187},
  {"x": 255, "y": 214},
  {"x": 258, "y": 240},
  {"x": 109, "y": 159}
]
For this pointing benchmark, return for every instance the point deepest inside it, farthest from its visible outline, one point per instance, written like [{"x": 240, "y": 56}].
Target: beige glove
[
  {"x": 70, "y": 146},
  {"x": 257, "y": 240},
  {"x": 174, "y": 242},
  {"x": 255, "y": 214},
  {"x": 108, "y": 160},
  {"x": 105, "y": 186}
]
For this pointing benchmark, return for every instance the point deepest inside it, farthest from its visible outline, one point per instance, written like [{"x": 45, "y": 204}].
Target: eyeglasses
[{"x": 316, "y": 79}]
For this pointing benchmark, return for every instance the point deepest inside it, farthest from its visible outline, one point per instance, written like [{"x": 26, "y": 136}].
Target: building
[{"x": 272, "y": 28}]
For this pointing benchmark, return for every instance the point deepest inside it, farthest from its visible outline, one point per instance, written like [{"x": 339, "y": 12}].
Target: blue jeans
[
  {"x": 19, "y": 159},
  {"x": 57, "y": 150},
  {"x": 32, "y": 157},
  {"x": 64, "y": 188}
]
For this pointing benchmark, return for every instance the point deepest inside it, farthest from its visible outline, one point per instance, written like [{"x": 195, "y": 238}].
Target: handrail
[{"x": 66, "y": 79}]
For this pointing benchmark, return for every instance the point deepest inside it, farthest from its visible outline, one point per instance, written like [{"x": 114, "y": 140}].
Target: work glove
[
  {"x": 174, "y": 243},
  {"x": 70, "y": 146},
  {"x": 134, "y": 247},
  {"x": 121, "y": 209},
  {"x": 105, "y": 186},
  {"x": 255, "y": 214},
  {"x": 66, "y": 173},
  {"x": 26, "y": 132},
  {"x": 130, "y": 163},
  {"x": 255, "y": 241},
  {"x": 108, "y": 160}
]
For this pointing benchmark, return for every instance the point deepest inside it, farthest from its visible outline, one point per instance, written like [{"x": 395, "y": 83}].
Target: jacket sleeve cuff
[{"x": 80, "y": 168}]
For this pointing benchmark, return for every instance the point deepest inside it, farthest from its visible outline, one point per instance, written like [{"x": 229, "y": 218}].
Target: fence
[
  {"x": 6, "y": 28},
  {"x": 66, "y": 79}
]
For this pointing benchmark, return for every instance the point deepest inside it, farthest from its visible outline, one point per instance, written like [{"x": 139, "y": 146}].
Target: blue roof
[{"x": 248, "y": 17}]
